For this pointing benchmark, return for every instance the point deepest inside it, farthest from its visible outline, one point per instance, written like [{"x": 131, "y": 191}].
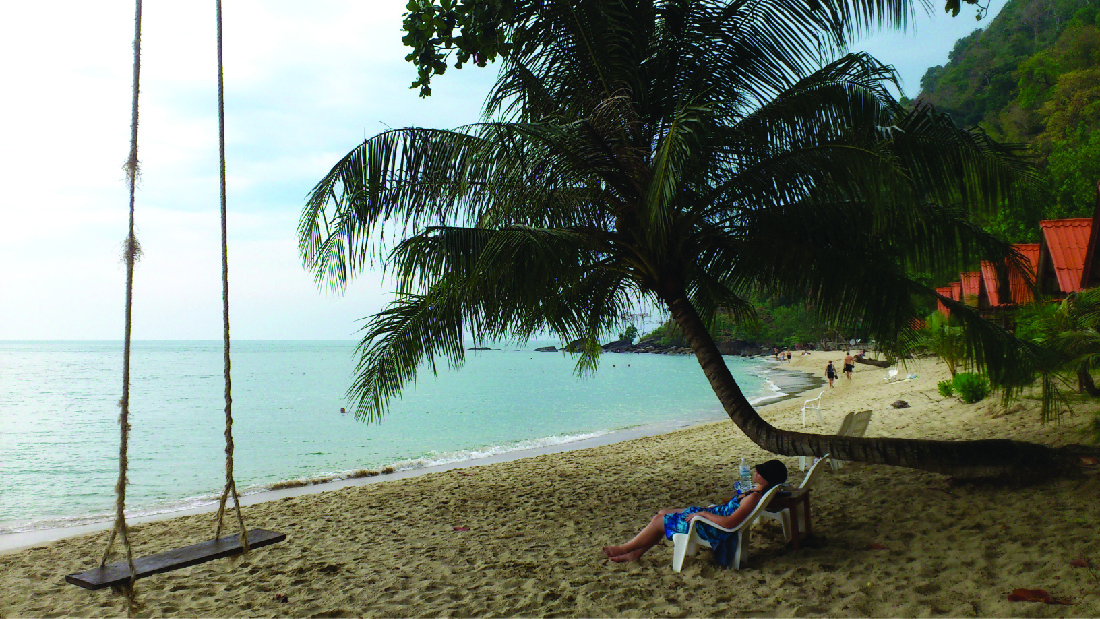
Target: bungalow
[
  {"x": 1065, "y": 261},
  {"x": 1062, "y": 253}
]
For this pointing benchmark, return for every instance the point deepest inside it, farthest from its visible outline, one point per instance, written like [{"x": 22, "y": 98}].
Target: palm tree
[
  {"x": 682, "y": 152},
  {"x": 1068, "y": 335},
  {"x": 944, "y": 340}
]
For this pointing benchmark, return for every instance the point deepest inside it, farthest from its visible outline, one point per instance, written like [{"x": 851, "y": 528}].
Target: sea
[{"x": 59, "y": 417}]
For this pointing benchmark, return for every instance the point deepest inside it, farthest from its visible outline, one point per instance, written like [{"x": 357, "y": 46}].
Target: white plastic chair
[
  {"x": 813, "y": 404},
  {"x": 687, "y": 544},
  {"x": 784, "y": 515},
  {"x": 891, "y": 375}
]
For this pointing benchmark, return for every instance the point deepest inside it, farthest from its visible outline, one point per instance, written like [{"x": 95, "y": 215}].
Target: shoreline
[
  {"x": 523, "y": 537},
  {"x": 787, "y": 383}
]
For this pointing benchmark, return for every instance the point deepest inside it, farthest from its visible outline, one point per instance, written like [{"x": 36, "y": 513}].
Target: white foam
[
  {"x": 454, "y": 457},
  {"x": 206, "y": 500}
]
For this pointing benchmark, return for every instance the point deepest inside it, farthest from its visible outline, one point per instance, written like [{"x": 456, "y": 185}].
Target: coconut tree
[
  {"x": 944, "y": 340},
  {"x": 1068, "y": 335},
  {"x": 683, "y": 153}
]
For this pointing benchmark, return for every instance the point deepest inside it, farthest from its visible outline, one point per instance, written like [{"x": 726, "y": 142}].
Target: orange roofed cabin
[{"x": 1062, "y": 254}]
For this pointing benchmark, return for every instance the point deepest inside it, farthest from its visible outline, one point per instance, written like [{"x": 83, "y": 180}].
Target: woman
[
  {"x": 729, "y": 515},
  {"x": 830, "y": 373}
]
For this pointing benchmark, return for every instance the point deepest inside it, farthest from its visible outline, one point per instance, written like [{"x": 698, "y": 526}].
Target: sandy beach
[{"x": 897, "y": 542}]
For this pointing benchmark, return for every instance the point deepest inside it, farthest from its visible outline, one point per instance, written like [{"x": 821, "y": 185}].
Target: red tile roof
[
  {"x": 1067, "y": 242},
  {"x": 991, "y": 283},
  {"x": 971, "y": 286},
  {"x": 944, "y": 291},
  {"x": 1016, "y": 281},
  {"x": 957, "y": 291}
]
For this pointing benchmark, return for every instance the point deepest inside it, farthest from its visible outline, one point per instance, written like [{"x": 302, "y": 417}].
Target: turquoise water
[{"x": 59, "y": 417}]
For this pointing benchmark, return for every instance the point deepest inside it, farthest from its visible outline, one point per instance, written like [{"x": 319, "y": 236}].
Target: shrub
[
  {"x": 947, "y": 389},
  {"x": 971, "y": 387}
]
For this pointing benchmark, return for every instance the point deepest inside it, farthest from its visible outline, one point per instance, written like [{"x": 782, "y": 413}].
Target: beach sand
[{"x": 898, "y": 542}]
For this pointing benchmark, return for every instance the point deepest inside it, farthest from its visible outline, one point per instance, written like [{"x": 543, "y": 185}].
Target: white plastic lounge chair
[
  {"x": 687, "y": 544},
  {"x": 891, "y": 375},
  {"x": 854, "y": 424},
  {"x": 784, "y": 515},
  {"x": 813, "y": 404}
]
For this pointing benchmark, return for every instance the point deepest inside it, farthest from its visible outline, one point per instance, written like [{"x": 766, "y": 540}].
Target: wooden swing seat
[{"x": 119, "y": 573}]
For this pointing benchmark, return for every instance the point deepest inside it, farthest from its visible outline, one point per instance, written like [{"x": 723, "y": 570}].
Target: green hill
[{"x": 1032, "y": 76}]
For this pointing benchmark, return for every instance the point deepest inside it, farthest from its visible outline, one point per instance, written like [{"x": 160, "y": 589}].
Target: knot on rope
[
  {"x": 131, "y": 250},
  {"x": 132, "y": 168}
]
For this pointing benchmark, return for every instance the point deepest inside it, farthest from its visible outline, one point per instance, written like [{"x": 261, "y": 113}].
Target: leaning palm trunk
[
  {"x": 965, "y": 459},
  {"x": 682, "y": 152}
]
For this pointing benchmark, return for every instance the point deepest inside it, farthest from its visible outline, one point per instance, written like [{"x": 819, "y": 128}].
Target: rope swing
[
  {"x": 123, "y": 574},
  {"x": 230, "y": 485}
]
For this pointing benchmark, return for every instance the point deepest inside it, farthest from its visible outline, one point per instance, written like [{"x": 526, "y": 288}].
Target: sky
[{"x": 304, "y": 84}]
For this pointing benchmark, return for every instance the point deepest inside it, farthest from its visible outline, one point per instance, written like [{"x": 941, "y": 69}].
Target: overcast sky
[{"x": 305, "y": 82}]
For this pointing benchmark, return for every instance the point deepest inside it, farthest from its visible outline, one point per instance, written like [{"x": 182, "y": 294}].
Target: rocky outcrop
[
  {"x": 736, "y": 348},
  {"x": 617, "y": 345}
]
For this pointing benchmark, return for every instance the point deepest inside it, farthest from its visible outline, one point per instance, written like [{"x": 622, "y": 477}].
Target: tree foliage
[
  {"x": 772, "y": 322},
  {"x": 946, "y": 341},
  {"x": 1032, "y": 76},
  {"x": 485, "y": 30},
  {"x": 1069, "y": 336},
  {"x": 684, "y": 153}
]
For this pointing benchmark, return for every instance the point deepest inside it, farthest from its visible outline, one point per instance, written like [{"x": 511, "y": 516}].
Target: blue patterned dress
[
  {"x": 677, "y": 523},
  {"x": 722, "y": 543}
]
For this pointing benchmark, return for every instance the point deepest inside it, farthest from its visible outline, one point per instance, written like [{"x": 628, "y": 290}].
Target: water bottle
[{"x": 746, "y": 476}]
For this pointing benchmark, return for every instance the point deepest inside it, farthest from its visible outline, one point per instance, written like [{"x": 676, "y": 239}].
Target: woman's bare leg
[{"x": 647, "y": 538}]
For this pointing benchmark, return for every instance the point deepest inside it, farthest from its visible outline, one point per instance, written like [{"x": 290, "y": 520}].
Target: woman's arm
[{"x": 747, "y": 505}]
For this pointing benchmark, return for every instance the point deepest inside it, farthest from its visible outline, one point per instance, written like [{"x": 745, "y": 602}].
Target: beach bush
[
  {"x": 971, "y": 387},
  {"x": 947, "y": 389}
]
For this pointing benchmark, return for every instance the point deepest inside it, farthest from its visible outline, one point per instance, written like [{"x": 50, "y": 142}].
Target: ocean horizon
[{"x": 59, "y": 423}]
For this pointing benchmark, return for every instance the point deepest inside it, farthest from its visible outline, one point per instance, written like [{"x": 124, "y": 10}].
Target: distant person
[
  {"x": 849, "y": 364},
  {"x": 830, "y": 373},
  {"x": 669, "y": 520},
  {"x": 788, "y": 356}
]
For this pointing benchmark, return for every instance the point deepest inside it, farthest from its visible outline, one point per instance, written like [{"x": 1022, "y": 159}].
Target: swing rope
[
  {"x": 230, "y": 484},
  {"x": 131, "y": 254},
  {"x": 132, "y": 251}
]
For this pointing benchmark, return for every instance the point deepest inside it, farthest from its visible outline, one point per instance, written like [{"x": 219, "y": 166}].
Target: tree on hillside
[
  {"x": 1031, "y": 77},
  {"x": 684, "y": 152}
]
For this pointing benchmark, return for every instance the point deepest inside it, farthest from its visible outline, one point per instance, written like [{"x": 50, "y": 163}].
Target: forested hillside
[{"x": 1033, "y": 76}]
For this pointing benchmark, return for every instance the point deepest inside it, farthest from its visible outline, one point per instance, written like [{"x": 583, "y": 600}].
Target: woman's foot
[
  {"x": 613, "y": 551},
  {"x": 633, "y": 555}
]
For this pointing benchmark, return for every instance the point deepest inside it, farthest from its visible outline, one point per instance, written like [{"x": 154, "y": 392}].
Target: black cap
[{"x": 773, "y": 471}]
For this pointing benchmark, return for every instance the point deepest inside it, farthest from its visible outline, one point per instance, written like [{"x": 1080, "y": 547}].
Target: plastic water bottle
[{"x": 746, "y": 475}]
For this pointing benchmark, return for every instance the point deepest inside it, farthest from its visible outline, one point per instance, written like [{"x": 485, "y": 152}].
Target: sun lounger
[{"x": 687, "y": 544}]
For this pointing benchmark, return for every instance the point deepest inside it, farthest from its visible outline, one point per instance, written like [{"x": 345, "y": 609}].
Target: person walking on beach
[
  {"x": 668, "y": 521},
  {"x": 849, "y": 364},
  {"x": 830, "y": 373}
]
